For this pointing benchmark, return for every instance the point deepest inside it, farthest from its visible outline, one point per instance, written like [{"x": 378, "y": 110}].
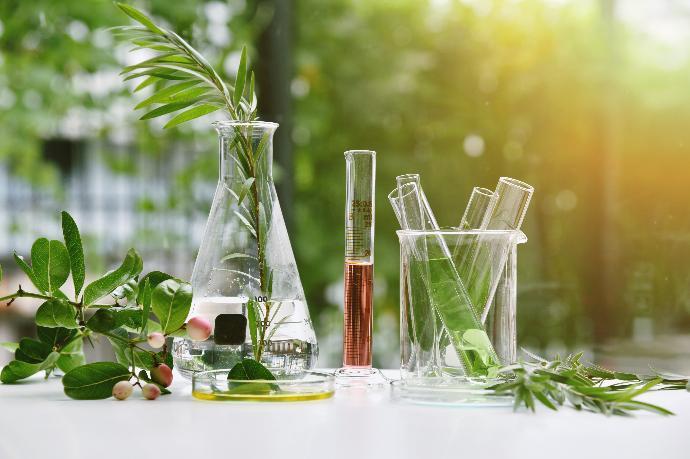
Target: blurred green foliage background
[{"x": 586, "y": 100}]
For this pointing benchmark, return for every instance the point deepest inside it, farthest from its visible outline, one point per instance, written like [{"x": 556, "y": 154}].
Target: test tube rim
[
  {"x": 517, "y": 183},
  {"x": 360, "y": 152},
  {"x": 398, "y": 193},
  {"x": 484, "y": 191}
]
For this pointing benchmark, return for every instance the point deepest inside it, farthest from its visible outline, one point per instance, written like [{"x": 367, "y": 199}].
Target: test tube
[
  {"x": 513, "y": 198},
  {"x": 359, "y": 262},
  {"x": 482, "y": 201},
  {"x": 512, "y": 203},
  {"x": 428, "y": 220}
]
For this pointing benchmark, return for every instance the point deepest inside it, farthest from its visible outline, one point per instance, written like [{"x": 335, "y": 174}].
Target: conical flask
[{"x": 245, "y": 278}]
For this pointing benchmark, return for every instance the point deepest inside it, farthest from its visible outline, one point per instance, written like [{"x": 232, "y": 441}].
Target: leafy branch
[
  {"x": 63, "y": 324},
  {"x": 582, "y": 386},
  {"x": 184, "y": 80},
  {"x": 183, "y": 77}
]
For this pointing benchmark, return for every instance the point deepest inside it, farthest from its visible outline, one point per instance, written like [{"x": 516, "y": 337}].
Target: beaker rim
[{"x": 519, "y": 235}]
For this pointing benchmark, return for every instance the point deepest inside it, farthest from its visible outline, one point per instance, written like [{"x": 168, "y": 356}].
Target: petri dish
[
  {"x": 445, "y": 392},
  {"x": 214, "y": 385}
]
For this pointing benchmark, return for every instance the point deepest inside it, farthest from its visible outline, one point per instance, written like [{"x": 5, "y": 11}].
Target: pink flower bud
[
  {"x": 162, "y": 374},
  {"x": 156, "y": 340},
  {"x": 150, "y": 391},
  {"x": 198, "y": 328},
  {"x": 122, "y": 390}
]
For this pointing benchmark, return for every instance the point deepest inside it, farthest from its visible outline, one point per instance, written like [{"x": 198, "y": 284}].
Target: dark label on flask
[{"x": 230, "y": 329}]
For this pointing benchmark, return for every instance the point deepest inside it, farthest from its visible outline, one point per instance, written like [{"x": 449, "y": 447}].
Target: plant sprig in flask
[{"x": 186, "y": 85}]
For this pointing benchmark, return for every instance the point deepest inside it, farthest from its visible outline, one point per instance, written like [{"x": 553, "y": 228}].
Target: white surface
[{"x": 38, "y": 421}]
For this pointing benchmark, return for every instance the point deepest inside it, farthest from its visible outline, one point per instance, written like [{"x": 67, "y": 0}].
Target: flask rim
[{"x": 225, "y": 125}]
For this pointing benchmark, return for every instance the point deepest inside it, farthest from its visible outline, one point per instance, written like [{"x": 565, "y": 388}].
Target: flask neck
[{"x": 246, "y": 150}]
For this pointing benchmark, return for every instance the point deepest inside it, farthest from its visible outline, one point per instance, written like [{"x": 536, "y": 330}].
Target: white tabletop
[{"x": 38, "y": 421}]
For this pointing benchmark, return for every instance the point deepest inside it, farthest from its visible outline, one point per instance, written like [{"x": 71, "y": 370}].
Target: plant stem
[{"x": 20, "y": 293}]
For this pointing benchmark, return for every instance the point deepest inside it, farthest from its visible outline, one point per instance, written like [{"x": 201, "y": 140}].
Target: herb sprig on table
[
  {"x": 570, "y": 382},
  {"x": 116, "y": 306}
]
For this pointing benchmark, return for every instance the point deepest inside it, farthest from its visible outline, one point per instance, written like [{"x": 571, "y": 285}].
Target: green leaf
[
  {"x": 167, "y": 108},
  {"x": 16, "y": 370},
  {"x": 72, "y": 356},
  {"x": 28, "y": 270},
  {"x": 165, "y": 93},
  {"x": 241, "y": 77},
  {"x": 140, "y": 17},
  {"x": 56, "y": 313},
  {"x": 108, "y": 283},
  {"x": 250, "y": 369},
  {"x": 105, "y": 320},
  {"x": 170, "y": 302},
  {"x": 94, "y": 381},
  {"x": 126, "y": 291},
  {"x": 50, "y": 263},
  {"x": 32, "y": 351},
  {"x": 55, "y": 337},
  {"x": 9, "y": 346},
  {"x": 154, "y": 278},
  {"x": 192, "y": 113},
  {"x": 70, "y": 232}
]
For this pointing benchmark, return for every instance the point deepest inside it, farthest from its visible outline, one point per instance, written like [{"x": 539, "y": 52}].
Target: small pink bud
[
  {"x": 199, "y": 328},
  {"x": 122, "y": 390},
  {"x": 150, "y": 391},
  {"x": 156, "y": 340},
  {"x": 162, "y": 374}
]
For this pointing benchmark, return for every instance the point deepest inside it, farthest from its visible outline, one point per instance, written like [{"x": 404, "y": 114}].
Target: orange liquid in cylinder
[{"x": 357, "y": 326}]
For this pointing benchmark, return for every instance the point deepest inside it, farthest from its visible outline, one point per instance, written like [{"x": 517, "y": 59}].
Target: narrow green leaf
[
  {"x": 252, "y": 94},
  {"x": 170, "y": 302},
  {"x": 94, "y": 381},
  {"x": 56, "y": 313},
  {"x": 189, "y": 94},
  {"x": 246, "y": 222},
  {"x": 165, "y": 93},
  {"x": 140, "y": 17},
  {"x": 147, "y": 82},
  {"x": 252, "y": 320},
  {"x": 246, "y": 186},
  {"x": 70, "y": 231},
  {"x": 165, "y": 109},
  {"x": 241, "y": 77},
  {"x": 192, "y": 113},
  {"x": 16, "y": 370},
  {"x": 108, "y": 283}
]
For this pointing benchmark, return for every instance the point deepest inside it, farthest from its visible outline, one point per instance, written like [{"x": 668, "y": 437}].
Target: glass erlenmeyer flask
[{"x": 245, "y": 278}]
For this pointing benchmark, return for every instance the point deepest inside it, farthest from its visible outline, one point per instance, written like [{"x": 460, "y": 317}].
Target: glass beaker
[
  {"x": 422, "y": 281},
  {"x": 245, "y": 278}
]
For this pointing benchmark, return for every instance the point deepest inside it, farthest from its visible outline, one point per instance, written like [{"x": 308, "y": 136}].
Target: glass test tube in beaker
[{"x": 359, "y": 263}]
